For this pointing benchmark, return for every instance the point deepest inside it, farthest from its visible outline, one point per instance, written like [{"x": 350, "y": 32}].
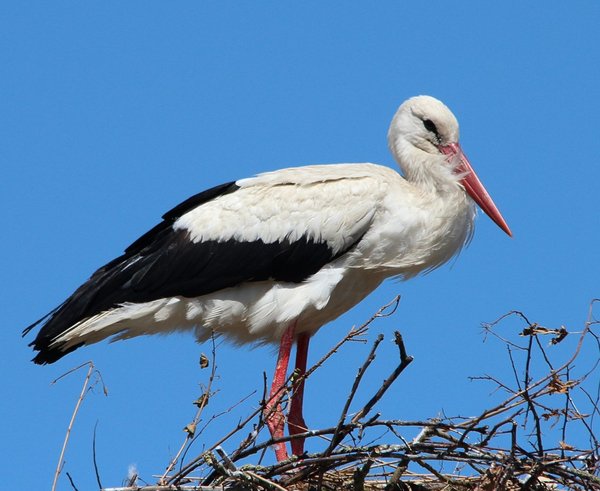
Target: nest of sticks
[{"x": 506, "y": 447}]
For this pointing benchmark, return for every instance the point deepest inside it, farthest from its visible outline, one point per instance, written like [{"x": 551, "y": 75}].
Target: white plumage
[
  {"x": 335, "y": 204},
  {"x": 279, "y": 255}
]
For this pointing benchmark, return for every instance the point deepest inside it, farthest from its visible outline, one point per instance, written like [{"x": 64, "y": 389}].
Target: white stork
[{"x": 273, "y": 258}]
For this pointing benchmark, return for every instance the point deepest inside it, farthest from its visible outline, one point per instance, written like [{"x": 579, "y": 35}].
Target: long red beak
[{"x": 474, "y": 187}]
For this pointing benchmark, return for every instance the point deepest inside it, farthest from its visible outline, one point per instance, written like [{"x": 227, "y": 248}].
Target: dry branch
[{"x": 84, "y": 389}]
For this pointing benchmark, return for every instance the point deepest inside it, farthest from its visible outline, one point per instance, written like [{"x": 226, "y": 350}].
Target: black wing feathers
[{"x": 93, "y": 296}]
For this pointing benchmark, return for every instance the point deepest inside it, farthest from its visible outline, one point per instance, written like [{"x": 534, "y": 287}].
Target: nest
[{"x": 506, "y": 447}]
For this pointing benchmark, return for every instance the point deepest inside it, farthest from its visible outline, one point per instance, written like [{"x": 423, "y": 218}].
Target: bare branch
[{"x": 84, "y": 389}]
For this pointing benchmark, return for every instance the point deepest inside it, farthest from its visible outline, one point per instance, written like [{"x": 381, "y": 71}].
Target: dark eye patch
[{"x": 430, "y": 126}]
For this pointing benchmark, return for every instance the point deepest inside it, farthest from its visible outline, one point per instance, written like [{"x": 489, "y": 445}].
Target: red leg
[
  {"x": 273, "y": 413},
  {"x": 296, "y": 422}
]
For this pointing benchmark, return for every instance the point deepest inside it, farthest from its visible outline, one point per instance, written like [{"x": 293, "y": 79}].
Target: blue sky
[{"x": 111, "y": 113}]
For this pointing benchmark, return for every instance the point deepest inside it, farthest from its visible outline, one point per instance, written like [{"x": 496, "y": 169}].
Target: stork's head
[
  {"x": 425, "y": 123},
  {"x": 423, "y": 138}
]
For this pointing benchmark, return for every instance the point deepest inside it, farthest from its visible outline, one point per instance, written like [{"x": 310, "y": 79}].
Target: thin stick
[
  {"x": 94, "y": 457},
  {"x": 405, "y": 360},
  {"x": 71, "y": 481},
  {"x": 264, "y": 481},
  {"x": 75, "y": 411}
]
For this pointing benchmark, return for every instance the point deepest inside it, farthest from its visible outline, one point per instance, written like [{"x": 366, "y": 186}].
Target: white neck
[{"x": 427, "y": 171}]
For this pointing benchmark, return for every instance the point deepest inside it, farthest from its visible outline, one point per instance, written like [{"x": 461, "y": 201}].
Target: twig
[
  {"x": 266, "y": 482},
  {"x": 71, "y": 481},
  {"x": 422, "y": 437},
  {"x": 530, "y": 404},
  {"x": 405, "y": 360},
  {"x": 94, "y": 458},
  {"x": 73, "y": 416}
]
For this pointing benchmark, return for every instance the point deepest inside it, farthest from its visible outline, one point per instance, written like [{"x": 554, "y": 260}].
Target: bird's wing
[{"x": 282, "y": 226}]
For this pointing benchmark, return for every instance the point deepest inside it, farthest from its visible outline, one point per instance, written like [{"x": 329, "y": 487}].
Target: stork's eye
[{"x": 430, "y": 126}]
